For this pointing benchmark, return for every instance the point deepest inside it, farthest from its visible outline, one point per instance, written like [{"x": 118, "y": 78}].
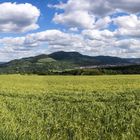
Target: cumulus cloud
[
  {"x": 53, "y": 40},
  {"x": 80, "y": 19},
  {"x": 91, "y": 29},
  {"x": 83, "y": 13},
  {"x": 132, "y": 21},
  {"x": 18, "y": 17},
  {"x": 98, "y": 35},
  {"x": 128, "y": 25},
  {"x": 91, "y": 42},
  {"x": 131, "y": 44}
]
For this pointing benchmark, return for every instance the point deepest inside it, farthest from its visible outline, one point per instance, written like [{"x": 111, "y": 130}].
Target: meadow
[{"x": 69, "y": 107}]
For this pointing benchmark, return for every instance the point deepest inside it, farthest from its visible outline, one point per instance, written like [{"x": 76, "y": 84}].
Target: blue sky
[{"x": 103, "y": 27}]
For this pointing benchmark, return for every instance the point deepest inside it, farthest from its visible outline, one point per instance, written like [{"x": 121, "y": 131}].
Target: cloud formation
[
  {"x": 91, "y": 42},
  {"x": 128, "y": 25},
  {"x": 103, "y": 27},
  {"x": 83, "y": 13},
  {"x": 18, "y": 17}
]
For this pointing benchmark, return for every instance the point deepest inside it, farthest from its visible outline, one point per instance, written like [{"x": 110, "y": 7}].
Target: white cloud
[
  {"x": 74, "y": 29},
  {"x": 98, "y": 35},
  {"x": 91, "y": 42},
  {"x": 54, "y": 40},
  {"x": 128, "y": 25},
  {"x": 88, "y": 32},
  {"x": 80, "y": 19},
  {"x": 83, "y": 13},
  {"x": 128, "y": 22},
  {"x": 18, "y": 17},
  {"x": 128, "y": 47}
]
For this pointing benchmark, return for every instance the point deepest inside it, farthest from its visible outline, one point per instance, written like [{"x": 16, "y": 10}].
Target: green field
[{"x": 69, "y": 108}]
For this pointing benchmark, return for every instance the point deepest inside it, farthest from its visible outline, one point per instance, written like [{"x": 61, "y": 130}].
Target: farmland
[{"x": 70, "y": 108}]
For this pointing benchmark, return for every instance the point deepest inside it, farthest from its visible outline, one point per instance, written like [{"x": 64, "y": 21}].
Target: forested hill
[{"x": 60, "y": 62}]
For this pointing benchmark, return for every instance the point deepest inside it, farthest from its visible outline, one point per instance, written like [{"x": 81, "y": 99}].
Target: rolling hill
[{"x": 60, "y": 61}]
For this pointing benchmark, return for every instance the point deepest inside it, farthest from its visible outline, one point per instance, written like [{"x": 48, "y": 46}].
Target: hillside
[
  {"x": 132, "y": 69},
  {"x": 60, "y": 61}
]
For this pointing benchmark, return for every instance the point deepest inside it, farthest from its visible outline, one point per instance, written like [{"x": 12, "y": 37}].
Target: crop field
[{"x": 69, "y": 108}]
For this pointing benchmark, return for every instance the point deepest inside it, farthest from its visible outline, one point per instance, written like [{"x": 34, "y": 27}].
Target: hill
[
  {"x": 61, "y": 61},
  {"x": 84, "y": 60}
]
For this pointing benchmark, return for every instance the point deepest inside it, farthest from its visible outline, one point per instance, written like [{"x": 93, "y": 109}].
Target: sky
[{"x": 91, "y": 27}]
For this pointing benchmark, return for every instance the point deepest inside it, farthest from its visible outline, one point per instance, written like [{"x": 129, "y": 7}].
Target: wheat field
[{"x": 69, "y": 107}]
